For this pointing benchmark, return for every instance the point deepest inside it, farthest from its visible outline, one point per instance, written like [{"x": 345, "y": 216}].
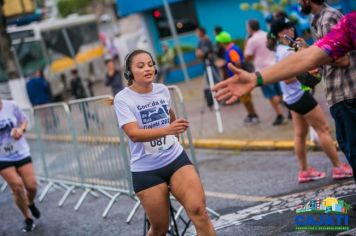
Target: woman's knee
[
  {"x": 322, "y": 129},
  {"x": 198, "y": 211},
  {"x": 300, "y": 134},
  {"x": 17, "y": 187},
  {"x": 159, "y": 229},
  {"x": 32, "y": 186}
]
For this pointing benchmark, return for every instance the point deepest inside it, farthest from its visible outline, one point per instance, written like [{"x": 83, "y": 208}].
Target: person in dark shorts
[
  {"x": 15, "y": 161},
  {"x": 159, "y": 164},
  {"x": 305, "y": 111}
]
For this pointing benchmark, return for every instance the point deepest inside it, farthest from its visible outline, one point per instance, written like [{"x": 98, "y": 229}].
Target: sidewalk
[{"x": 236, "y": 134}]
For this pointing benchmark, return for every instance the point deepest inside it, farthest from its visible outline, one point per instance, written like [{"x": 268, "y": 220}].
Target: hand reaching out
[{"x": 241, "y": 83}]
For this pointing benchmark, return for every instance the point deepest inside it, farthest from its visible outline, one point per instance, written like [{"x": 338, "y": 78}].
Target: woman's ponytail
[{"x": 271, "y": 41}]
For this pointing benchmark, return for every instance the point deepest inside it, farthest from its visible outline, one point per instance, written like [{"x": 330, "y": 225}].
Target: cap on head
[
  {"x": 223, "y": 37},
  {"x": 279, "y": 25}
]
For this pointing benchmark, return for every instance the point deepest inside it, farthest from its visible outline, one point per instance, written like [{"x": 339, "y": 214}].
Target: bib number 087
[{"x": 158, "y": 142}]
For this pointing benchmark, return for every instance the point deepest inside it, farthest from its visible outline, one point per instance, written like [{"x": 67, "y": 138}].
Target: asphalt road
[{"x": 255, "y": 193}]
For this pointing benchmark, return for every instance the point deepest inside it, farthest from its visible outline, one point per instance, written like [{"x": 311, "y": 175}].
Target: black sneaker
[
  {"x": 279, "y": 120},
  {"x": 29, "y": 226},
  {"x": 34, "y": 211}
]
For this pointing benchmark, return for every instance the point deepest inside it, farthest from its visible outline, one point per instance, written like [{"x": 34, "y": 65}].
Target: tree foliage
[
  {"x": 270, "y": 6},
  {"x": 67, "y": 7}
]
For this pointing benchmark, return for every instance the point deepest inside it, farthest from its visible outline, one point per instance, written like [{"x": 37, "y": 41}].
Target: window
[
  {"x": 30, "y": 57},
  {"x": 184, "y": 17}
]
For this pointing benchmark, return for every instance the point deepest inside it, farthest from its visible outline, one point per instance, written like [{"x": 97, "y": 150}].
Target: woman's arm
[
  {"x": 291, "y": 80},
  {"x": 341, "y": 62},
  {"x": 17, "y": 133},
  {"x": 137, "y": 134},
  {"x": 295, "y": 64}
]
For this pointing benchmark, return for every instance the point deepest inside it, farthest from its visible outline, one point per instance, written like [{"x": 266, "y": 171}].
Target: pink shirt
[
  {"x": 341, "y": 39},
  {"x": 256, "y": 46}
]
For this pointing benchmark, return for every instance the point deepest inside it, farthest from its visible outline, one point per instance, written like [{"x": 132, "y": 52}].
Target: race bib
[
  {"x": 9, "y": 148},
  {"x": 159, "y": 145}
]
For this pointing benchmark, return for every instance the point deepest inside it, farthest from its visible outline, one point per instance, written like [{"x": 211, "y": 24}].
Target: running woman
[
  {"x": 15, "y": 161},
  {"x": 305, "y": 111},
  {"x": 159, "y": 164}
]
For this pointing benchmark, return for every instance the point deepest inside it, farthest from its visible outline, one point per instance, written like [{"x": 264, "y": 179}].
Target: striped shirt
[{"x": 340, "y": 82}]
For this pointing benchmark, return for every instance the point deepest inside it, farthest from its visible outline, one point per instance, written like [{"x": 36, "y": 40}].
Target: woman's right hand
[
  {"x": 302, "y": 43},
  {"x": 177, "y": 127}
]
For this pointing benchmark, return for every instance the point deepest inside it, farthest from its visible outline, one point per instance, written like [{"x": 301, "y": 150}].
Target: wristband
[{"x": 259, "y": 79}]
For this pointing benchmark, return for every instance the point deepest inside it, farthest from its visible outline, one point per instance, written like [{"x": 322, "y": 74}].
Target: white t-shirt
[
  {"x": 292, "y": 92},
  {"x": 11, "y": 116},
  {"x": 256, "y": 46},
  {"x": 150, "y": 110}
]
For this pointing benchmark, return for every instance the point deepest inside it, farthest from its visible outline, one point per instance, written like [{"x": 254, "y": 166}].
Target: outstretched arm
[
  {"x": 295, "y": 64},
  {"x": 243, "y": 82}
]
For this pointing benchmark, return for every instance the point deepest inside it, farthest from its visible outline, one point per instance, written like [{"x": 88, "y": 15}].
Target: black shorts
[
  {"x": 146, "y": 179},
  {"x": 304, "y": 105},
  {"x": 16, "y": 164}
]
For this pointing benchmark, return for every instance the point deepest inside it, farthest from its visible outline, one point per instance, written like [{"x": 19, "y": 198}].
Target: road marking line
[{"x": 239, "y": 197}]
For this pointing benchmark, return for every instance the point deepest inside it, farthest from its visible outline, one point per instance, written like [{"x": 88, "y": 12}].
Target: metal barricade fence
[
  {"x": 104, "y": 158},
  {"x": 3, "y": 185},
  {"x": 178, "y": 106},
  {"x": 55, "y": 151},
  {"x": 31, "y": 137},
  {"x": 79, "y": 146}
]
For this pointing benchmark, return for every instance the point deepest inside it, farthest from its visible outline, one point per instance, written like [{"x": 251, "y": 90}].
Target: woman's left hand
[{"x": 16, "y": 133}]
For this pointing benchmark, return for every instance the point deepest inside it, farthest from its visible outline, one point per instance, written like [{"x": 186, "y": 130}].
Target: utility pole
[
  {"x": 176, "y": 40},
  {"x": 7, "y": 57}
]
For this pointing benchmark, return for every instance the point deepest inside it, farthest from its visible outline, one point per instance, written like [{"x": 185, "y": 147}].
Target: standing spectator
[
  {"x": 38, "y": 89},
  {"x": 220, "y": 54},
  {"x": 167, "y": 62},
  {"x": 220, "y": 50},
  {"x": 257, "y": 52},
  {"x": 91, "y": 78},
  {"x": 15, "y": 161},
  {"x": 205, "y": 51},
  {"x": 114, "y": 53},
  {"x": 113, "y": 77},
  {"x": 63, "y": 79},
  {"x": 234, "y": 55},
  {"x": 77, "y": 86}
]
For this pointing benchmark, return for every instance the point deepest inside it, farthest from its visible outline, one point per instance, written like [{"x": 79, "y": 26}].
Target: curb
[{"x": 266, "y": 145}]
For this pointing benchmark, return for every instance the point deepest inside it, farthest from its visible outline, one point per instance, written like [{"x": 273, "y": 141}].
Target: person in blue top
[
  {"x": 233, "y": 54},
  {"x": 38, "y": 89}
]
